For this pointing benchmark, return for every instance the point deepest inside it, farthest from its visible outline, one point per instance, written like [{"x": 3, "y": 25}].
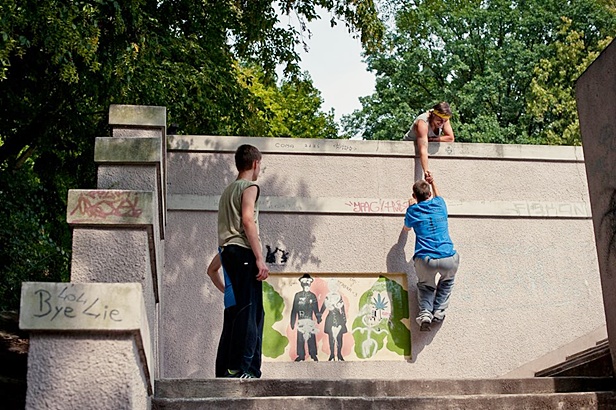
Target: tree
[
  {"x": 480, "y": 56},
  {"x": 291, "y": 109},
  {"x": 63, "y": 62},
  {"x": 552, "y": 97}
]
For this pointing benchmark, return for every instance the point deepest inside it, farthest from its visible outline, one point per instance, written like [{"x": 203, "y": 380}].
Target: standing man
[
  {"x": 305, "y": 309},
  {"x": 431, "y": 126},
  {"x": 434, "y": 252},
  {"x": 239, "y": 350}
]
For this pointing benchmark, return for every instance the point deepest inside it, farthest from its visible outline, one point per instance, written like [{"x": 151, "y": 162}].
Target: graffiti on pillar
[
  {"x": 319, "y": 317},
  {"x": 105, "y": 204},
  {"x": 277, "y": 256},
  {"x": 68, "y": 305}
]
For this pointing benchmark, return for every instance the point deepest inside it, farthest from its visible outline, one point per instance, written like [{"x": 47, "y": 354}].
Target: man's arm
[
  {"x": 214, "y": 274},
  {"x": 421, "y": 131},
  {"x": 447, "y": 135},
  {"x": 249, "y": 198}
]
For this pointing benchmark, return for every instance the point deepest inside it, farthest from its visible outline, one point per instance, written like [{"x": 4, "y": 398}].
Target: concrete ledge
[
  {"x": 381, "y": 206},
  {"x": 137, "y": 151},
  {"x": 118, "y": 209},
  {"x": 127, "y": 150},
  {"x": 204, "y": 143},
  {"x": 567, "y": 401},
  {"x": 371, "y": 388},
  {"x": 138, "y": 115},
  {"x": 85, "y": 307},
  {"x": 559, "y": 355}
]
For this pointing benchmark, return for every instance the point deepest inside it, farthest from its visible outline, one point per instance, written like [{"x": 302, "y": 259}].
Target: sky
[{"x": 335, "y": 65}]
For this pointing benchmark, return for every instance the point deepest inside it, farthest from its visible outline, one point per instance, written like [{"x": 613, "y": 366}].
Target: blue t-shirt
[{"x": 429, "y": 221}]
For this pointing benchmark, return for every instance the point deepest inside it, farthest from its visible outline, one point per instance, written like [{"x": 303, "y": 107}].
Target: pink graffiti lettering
[
  {"x": 378, "y": 206},
  {"x": 103, "y": 204}
]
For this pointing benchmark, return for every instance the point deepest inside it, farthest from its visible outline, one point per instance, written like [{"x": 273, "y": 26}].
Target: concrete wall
[
  {"x": 596, "y": 101},
  {"x": 519, "y": 217}
]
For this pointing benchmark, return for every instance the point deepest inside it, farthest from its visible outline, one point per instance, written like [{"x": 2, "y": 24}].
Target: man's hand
[
  {"x": 429, "y": 178},
  {"x": 263, "y": 270}
]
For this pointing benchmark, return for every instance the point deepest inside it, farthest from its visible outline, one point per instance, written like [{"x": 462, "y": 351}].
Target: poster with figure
[{"x": 336, "y": 317}]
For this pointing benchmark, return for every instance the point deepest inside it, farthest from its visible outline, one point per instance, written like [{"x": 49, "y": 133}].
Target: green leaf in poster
[
  {"x": 381, "y": 310},
  {"x": 274, "y": 342}
]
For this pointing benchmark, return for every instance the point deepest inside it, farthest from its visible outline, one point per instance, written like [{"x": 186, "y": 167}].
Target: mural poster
[{"x": 318, "y": 317}]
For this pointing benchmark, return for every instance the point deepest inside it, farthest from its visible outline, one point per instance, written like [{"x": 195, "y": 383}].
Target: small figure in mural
[
  {"x": 244, "y": 268},
  {"x": 431, "y": 126},
  {"x": 305, "y": 310},
  {"x": 335, "y": 322},
  {"x": 271, "y": 255},
  {"x": 434, "y": 251}
]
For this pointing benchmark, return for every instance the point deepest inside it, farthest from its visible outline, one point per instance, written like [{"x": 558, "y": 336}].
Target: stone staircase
[
  {"x": 594, "y": 361},
  {"x": 574, "y": 393}
]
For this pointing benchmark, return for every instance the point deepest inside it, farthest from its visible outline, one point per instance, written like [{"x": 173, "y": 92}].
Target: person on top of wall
[
  {"x": 434, "y": 251},
  {"x": 431, "y": 126},
  {"x": 241, "y": 254}
]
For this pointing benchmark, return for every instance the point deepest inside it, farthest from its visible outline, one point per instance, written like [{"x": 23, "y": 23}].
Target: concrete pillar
[
  {"x": 95, "y": 345},
  {"x": 89, "y": 346},
  {"x": 596, "y": 102}
]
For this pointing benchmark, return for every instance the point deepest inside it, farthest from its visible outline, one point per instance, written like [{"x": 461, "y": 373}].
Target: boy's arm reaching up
[{"x": 430, "y": 180}]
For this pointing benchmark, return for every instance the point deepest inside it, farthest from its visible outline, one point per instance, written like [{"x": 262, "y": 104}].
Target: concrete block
[{"x": 137, "y": 115}]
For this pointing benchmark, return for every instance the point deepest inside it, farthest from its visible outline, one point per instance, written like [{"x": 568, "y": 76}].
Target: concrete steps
[
  {"x": 595, "y": 362},
  {"x": 579, "y": 393}
]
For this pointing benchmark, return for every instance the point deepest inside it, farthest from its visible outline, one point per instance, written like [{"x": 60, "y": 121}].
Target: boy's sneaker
[
  {"x": 424, "y": 320},
  {"x": 232, "y": 373},
  {"x": 439, "y": 316},
  {"x": 237, "y": 374}
]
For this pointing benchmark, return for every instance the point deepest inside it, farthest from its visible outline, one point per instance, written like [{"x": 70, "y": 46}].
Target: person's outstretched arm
[{"x": 421, "y": 131}]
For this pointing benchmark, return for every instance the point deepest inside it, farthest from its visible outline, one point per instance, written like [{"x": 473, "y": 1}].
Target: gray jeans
[{"x": 433, "y": 297}]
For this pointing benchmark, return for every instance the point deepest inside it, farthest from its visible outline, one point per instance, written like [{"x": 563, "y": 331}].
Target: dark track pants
[{"x": 242, "y": 333}]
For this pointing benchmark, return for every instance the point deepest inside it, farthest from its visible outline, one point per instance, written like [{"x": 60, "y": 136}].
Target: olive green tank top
[{"x": 230, "y": 228}]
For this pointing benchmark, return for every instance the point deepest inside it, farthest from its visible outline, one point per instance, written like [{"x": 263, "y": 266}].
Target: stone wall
[{"x": 519, "y": 217}]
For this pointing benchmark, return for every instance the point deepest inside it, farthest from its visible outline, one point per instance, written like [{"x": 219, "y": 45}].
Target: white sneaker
[{"x": 439, "y": 316}]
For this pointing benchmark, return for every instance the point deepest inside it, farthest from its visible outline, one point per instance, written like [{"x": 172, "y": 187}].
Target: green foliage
[
  {"x": 491, "y": 61},
  {"x": 552, "y": 103},
  {"x": 289, "y": 110},
  {"x": 63, "y": 62},
  {"x": 35, "y": 242},
  {"x": 274, "y": 343}
]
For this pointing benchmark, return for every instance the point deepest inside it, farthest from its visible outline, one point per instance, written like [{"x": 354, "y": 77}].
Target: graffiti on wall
[
  {"x": 277, "y": 256},
  {"x": 378, "y": 206},
  {"x": 336, "y": 318},
  {"x": 102, "y": 204}
]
